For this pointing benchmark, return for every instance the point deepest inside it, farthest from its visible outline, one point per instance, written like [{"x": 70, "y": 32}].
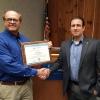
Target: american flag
[{"x": 46, "y": 23}]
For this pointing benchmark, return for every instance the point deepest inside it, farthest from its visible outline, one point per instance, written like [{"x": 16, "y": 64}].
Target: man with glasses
[{"x": 15, "y": 83}]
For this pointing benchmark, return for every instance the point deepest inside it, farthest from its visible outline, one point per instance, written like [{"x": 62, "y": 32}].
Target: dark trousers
[{"x": 76, "y": 94}]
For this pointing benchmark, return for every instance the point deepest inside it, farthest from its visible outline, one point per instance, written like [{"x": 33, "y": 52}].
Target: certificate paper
[{"x": 36, "y": 53}]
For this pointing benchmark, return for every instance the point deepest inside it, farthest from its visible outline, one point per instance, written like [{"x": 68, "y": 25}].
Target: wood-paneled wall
[{"x": 60, "y": 13}]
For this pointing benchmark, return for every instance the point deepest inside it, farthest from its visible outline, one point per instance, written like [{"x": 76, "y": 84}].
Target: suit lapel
[
  {"x": 84, "y": 49},
  {"x": 68, "y": 52}
]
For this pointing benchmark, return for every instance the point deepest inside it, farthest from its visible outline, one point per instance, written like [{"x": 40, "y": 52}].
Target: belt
[
  {"x": 74, "y": 83},
  {"x": 13, "y": 83}
]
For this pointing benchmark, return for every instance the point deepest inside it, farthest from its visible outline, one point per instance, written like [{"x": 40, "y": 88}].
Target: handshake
[{"x": 43, "y": 73}]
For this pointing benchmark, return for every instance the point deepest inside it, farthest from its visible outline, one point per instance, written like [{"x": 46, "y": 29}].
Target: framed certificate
[{"x": 34, "y": 53}]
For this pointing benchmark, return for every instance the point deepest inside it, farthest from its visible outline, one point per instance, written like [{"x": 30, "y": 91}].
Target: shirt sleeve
[{"x": 10, "y": 66}]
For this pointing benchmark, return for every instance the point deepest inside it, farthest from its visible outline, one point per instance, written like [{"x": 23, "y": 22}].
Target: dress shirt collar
[{"x": 78, "y": 42}]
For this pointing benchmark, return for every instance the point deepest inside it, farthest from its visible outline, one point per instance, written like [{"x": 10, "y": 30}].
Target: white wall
[{"x": 32, "y": 12}]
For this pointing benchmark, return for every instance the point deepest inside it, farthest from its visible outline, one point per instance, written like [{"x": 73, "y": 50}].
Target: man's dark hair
[{"x": 78, "y": 17}]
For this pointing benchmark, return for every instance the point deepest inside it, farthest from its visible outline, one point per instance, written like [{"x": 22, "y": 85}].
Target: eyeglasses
[{"x": 11, "y": 19}]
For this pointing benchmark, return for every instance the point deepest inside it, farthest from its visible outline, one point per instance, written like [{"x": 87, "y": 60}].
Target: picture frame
[{"x": 34, "y": 53}]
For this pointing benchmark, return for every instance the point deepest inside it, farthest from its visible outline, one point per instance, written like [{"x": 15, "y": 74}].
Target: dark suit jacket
[{"x": 89, "y": 76}]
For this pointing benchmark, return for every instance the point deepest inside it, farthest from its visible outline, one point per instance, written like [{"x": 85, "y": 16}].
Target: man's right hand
[{"x": 43, "y": 73}]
